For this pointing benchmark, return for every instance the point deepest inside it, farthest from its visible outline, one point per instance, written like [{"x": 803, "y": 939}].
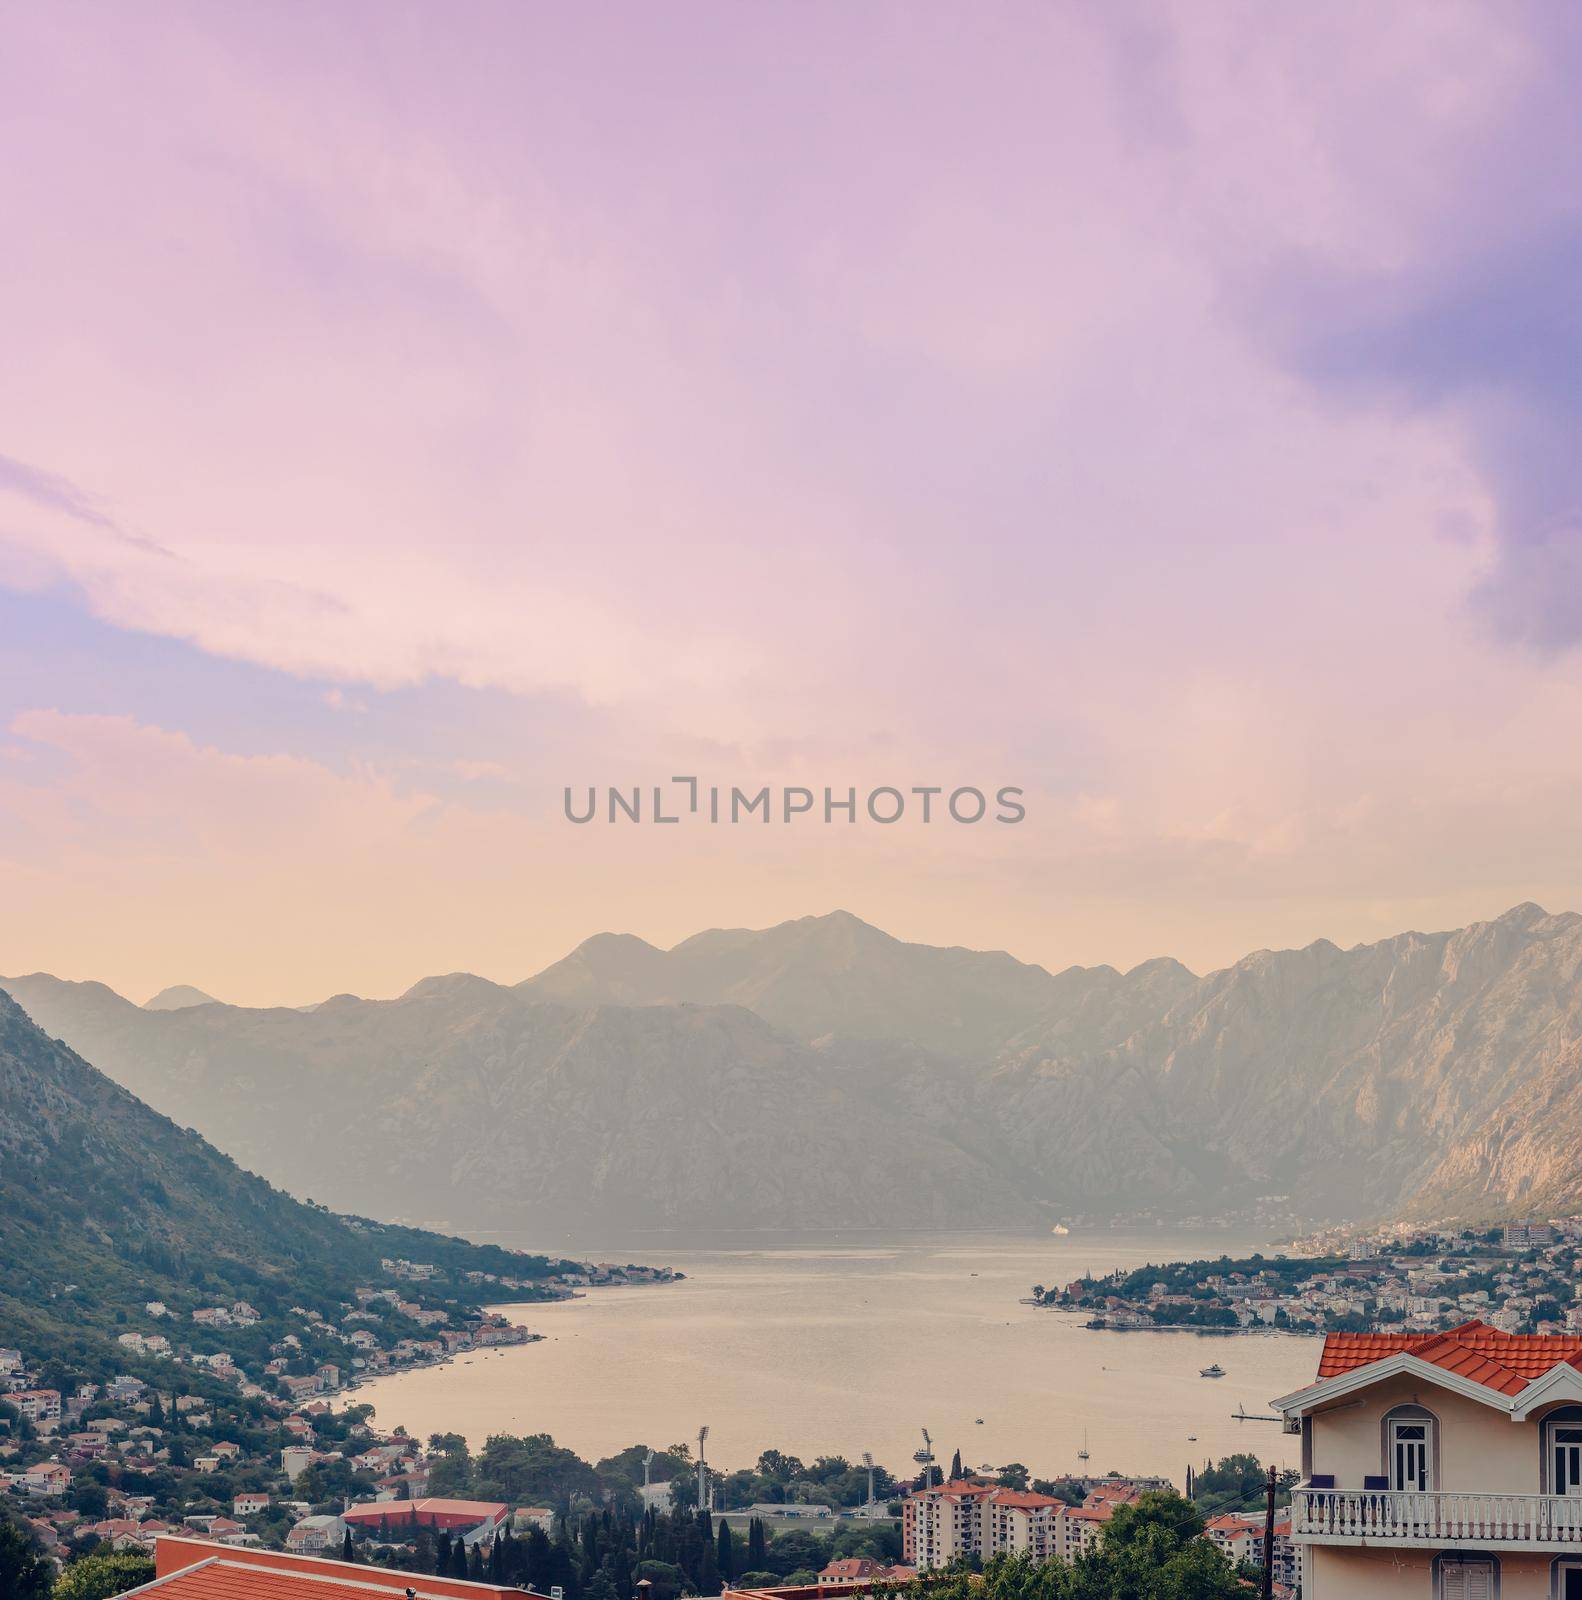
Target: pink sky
[{"x": 412, "y": 410}]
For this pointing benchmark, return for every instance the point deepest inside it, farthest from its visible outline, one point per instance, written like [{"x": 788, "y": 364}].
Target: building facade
[
  {"x": 1443, "y": 1466},
  {"x": 967, "y": 1517}
]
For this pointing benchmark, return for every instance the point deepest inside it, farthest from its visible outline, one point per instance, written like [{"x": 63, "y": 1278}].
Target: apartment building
[
  {"x": 37, "y": 1405},
  {"x": 968, "y": 1517},
  {"x": 1445, "y": 1466}
]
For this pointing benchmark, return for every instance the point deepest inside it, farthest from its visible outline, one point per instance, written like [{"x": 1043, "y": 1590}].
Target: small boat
[
  {"x": 1216, "y": 1371},
  {"x": 978, "y": 1421},
  {"x": 1082, "y": 1454},
  {"x": 1060, "y": 1228},
  {"x": 1191, "y": 1438}
]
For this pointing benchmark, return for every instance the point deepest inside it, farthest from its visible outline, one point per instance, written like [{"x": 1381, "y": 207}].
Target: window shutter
[{"x": 1467, "y": 1580}]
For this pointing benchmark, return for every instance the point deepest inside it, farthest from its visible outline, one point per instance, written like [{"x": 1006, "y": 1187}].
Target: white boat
[{"x": 1216, "y": 1371}]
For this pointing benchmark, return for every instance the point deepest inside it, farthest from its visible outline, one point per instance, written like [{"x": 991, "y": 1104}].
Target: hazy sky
[{"x": 410, "y": 410}]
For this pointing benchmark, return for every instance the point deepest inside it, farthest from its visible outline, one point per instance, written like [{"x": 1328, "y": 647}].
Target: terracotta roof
[
  {"x": 1024, "y": 1499},
  {"x": 403, "y": 1510},
  {"x": 191, "y": 1569},
  {"x": 1229, "y": 1522},
  {"x": 1504, "y": 1362}
]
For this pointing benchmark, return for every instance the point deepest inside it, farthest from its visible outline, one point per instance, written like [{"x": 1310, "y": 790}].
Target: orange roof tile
[
  {"x": 191, "y": 1569},
  {"x": 1504, "y": 1362}
]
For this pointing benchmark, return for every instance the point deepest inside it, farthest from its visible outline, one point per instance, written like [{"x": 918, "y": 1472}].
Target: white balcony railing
[{"x": 1408, "y": 1516}]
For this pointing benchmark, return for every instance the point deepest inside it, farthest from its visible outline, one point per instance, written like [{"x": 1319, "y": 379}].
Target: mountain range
[{"x": 821, "y": 1074}]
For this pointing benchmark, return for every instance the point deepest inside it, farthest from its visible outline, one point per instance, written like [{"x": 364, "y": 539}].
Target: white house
[{"x": 1445, "y": 1466}]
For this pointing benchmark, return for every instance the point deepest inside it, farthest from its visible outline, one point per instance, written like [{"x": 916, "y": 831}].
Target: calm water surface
[{"x": 855, "y": 1345}]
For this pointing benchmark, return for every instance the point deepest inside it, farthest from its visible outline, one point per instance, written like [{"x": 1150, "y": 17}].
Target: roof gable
[{"x": 1473, "y": 1359}]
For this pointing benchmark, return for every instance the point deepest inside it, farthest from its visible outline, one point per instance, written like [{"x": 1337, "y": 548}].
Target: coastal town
[
  {"x": 216, "y": 1415},
  {"x": 292, "y": 1463},
  {"x": 222, "y": 1431},
  {"x": 1520, "y": 1277}
]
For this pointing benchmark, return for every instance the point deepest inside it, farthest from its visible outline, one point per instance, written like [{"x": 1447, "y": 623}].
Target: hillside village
[
  {"x": 1522, "y": 1277},
  {"x": 219, "y": 1416}
]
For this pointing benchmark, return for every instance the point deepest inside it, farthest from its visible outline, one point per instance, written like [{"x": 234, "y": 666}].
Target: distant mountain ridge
[
  {"x": 836, "y": 975},
  {"x": 178, "y": 997},
  {"x": 822, "y": 1074}
]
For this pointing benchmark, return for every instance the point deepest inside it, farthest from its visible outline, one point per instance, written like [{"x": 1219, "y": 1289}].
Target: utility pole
[
  {"x": 1266, "y": 1587},
  {"x": 703, "y": 1471}
]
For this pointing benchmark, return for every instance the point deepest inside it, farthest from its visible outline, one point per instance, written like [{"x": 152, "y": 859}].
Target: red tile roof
[
  {"x": 405, "y": 1510},
  {"x": 192, "y": 1569},
  {"x": 851, "y": 1567},
  {"x": 1504, "y": 1362},
  {"x": 1025, "y": 1500}
]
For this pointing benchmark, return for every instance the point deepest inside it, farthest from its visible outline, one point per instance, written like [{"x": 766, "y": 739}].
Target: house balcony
[{"x": 1431, "y": 1519}]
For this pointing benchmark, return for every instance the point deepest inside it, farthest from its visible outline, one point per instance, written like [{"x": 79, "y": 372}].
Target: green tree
[
  {"x": 793, "y": 1550},
  {"x": 779, "y": 1466},
  {"x": 98, "y": 1576},
  {"x": 725, "y": 1555},
  {"x": 24, "y": 1571},
  {"x": 1155, "y": 1509}
]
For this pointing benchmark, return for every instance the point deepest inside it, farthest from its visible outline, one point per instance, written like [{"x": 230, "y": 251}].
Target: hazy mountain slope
[
  {"x": 1426, "y": 1072},
  {"x": 105, "y": 1204},
  {"x": 474, "y": 1106},
  {"x": 836, "y": 975},
  {"x": 1364, "y": 1072}
]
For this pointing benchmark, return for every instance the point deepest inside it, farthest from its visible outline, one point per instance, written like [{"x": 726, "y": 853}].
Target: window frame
[
  {"x": 1560, "y": 1417},
  {"x": 1411, "y": 1414},
  {"x": 1466, "y": 1558}
]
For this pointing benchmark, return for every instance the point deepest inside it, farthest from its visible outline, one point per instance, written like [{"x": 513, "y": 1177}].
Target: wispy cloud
[{"x": 1170, "y": 408}]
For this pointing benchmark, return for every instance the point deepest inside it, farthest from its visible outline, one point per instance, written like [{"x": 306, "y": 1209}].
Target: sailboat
[{"x": 1082, "y": 1454}]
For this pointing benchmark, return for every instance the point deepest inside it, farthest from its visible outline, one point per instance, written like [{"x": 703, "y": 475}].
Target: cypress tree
[
  {"x": 955, "y": 1467},
  {"x": 726, "y": 1553},
  {"x": 497, "y": 1560},
  {"x": 536, "y": 1560},
  {"x": 347, "y": 1553},
  {"x": 757, "y": 1547},
  {"x": 442, "y": 1565},
  {"x": 458, "y": 1559}
]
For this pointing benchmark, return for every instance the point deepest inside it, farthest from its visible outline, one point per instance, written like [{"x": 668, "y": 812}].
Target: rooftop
[
  {"x": 193, "y": 1569},
  {"x": 1504, "y": 1362}
]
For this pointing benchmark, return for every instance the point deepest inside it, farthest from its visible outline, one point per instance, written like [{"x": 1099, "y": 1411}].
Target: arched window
[
  {"x": 1411, "y": 1448},
  {"x": 1561, "y": 1471}
]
